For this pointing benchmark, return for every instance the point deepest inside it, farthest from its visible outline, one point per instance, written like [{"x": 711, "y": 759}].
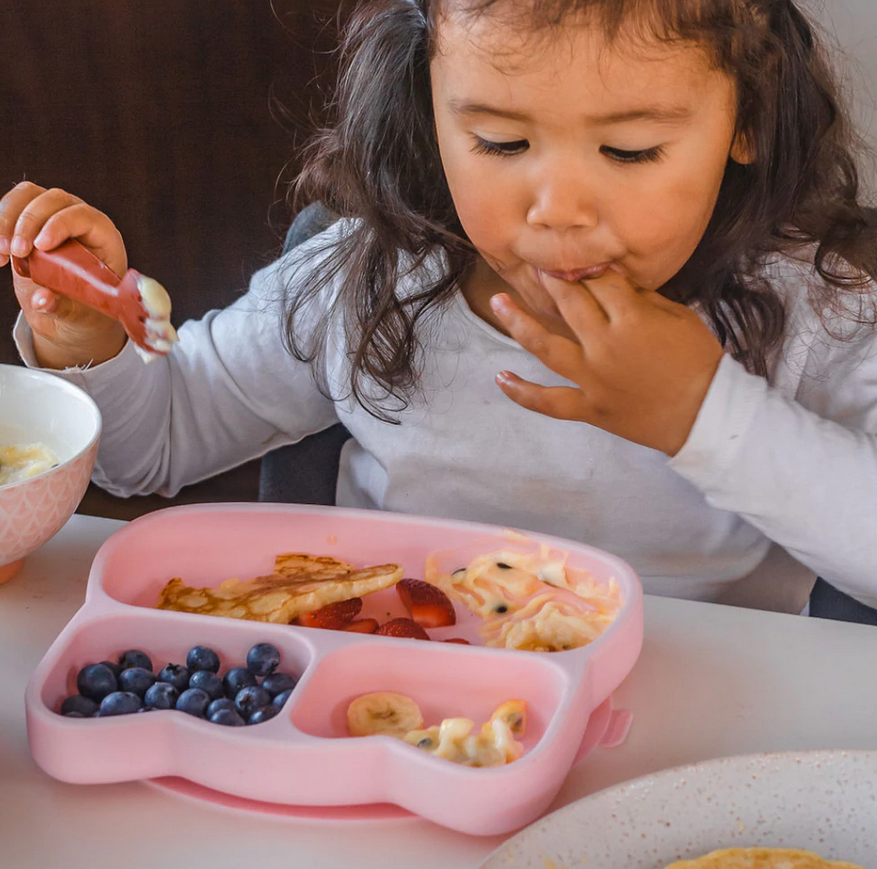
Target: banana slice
[
  {"x": 383, "y": 712},
  {"x": 513, "y": 713}
]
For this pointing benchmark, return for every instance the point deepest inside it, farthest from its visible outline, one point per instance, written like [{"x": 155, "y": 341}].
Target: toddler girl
[{"x": 601, "y": 273}]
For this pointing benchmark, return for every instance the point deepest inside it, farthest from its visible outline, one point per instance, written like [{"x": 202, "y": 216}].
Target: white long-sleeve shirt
[{"x": 777, "y": 482}]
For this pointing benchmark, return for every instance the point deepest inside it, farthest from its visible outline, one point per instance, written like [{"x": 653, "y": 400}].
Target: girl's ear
[{"x": 742, "y": 151}]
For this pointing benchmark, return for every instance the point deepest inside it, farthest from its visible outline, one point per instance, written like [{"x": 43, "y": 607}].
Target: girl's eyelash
[
  {"x": 646, "y": 155},
  {"x": 619, "y": 155},
  {"x": 499, "y": 149}
]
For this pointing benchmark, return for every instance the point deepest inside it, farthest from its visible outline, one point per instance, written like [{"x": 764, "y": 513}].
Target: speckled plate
[{"x": 825, "y": 801}]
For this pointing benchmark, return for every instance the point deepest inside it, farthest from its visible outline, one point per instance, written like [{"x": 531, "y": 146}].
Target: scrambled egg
[
  {"x": 21, "y": 463},
  {"x": 531, "y": 601},
  {"x": 384, "y": 712}
]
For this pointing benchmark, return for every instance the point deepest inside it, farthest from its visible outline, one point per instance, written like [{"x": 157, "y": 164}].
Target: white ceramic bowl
[
  {"x": 823, "y": 801},
  {"x": 38, "y": 407}
]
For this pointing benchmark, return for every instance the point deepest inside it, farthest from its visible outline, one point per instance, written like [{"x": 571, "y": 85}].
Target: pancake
[
  {"x": 761, "y": 858},
  {"x": 299, "y": 584}
]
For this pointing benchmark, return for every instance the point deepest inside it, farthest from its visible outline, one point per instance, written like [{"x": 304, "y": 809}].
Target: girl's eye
[
  {"x": 499, "y": 149},
  {"x": 646, "y": 155}
]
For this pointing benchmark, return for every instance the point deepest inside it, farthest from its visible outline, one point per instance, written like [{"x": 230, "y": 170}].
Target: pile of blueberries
[{"x": 243, "y": 695}]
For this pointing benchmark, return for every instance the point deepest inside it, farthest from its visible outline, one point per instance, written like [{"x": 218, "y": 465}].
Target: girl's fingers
[
  {"x": 44, "y": 301},
  {"x": 561, "y": 355},
  {"x": 615, "y": 293},
  {"x": 560, "y": 402},
  {"x": 33, "y": 218},
  {"x": 88, "y": 225},
  {"x": 11, "y": 207},
  {"x": 581, "y": 310}
]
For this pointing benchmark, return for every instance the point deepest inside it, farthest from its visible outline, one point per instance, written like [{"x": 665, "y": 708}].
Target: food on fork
[
  {"x": 139, "y": 303},
  {"x": 531, "y": 601},
  {"x": 761, "y": 858},
  {"x": 299, "y": 584},
  {"x": 388, "y": 714},
  {"x": 19, "y": 463}
]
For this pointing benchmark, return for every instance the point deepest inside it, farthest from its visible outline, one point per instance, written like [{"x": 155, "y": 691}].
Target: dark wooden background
[{"x": 183, "y": 121}]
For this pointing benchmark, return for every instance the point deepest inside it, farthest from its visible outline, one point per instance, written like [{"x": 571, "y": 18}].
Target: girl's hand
[
  {"x": 66, "y": 332},
  {"x": 641, "y": 366}
]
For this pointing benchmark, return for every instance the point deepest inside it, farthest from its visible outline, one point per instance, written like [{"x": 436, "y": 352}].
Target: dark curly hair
[{"x": 378, "y": 161}]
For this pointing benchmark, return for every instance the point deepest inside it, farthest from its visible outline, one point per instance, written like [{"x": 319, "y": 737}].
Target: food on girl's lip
[
  {"x": 403, "y": 628},
  {"x": 428, "y": 605},
  {"x": 19, "y": 463},
  {"x": 531, "y": 601},
  {"x": 396, "y": 715},
  {"x": 761, "y": 858},
  {"x": 383, "y": 712},
  {"x": 234, "y": 699},
  {"x": 300, "y": 584}
]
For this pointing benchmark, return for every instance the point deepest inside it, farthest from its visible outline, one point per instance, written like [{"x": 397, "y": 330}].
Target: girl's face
[{"x": 565, "y": 153}]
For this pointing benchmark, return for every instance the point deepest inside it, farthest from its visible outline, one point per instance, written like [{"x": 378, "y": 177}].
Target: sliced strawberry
[
  {"x": 362, "y": 626},
  {"x": 333, "y": 617},
  {"x": 459, "y": 640},
  {"x": 429, "y": 606},
  {"x": 402, "y": 628}
]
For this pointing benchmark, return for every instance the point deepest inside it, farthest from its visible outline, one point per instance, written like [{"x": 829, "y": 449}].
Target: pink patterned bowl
[{"x": 38, "y": 407}]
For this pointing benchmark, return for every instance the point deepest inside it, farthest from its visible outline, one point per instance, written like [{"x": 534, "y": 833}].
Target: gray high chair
[{"x": 306, "y": 472}]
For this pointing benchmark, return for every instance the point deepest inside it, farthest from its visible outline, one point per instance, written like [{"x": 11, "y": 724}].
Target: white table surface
[{"x": 711, "y": 681}]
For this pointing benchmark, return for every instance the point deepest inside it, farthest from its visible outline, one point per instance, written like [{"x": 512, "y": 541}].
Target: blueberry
[
  {"x": 138, "y": 680},
  {"x": 277, "y": 683},
  {"x": 193, "y": 701},
  {"x": 229, "y": 717},
  {"x": 264, "y": 714},
  {"x": 162, "y": 695},
  {"x": 222, "y": 703},
  {"x": 281, "y": 698},
  {"x": 119, "y": 703},
  {"x": 84, "y": 706},
  {"x": 236, "y": 679},
  {"x": 135, "y": 658},
  {"x": 263, "y": 659},
  {"x": 202, "y": 658},
  {"x": 248, "y": 700},
  {"x": 176, "y": 674},
  {"x": 96, "y": 681},
  {"x": 114, "y": 667},
  {"x": 208, "y": 682}
]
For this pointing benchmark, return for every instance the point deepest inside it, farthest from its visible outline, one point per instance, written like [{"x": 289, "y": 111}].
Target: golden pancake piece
[
  {"x": 300, "y": 584},
  {"x": 761, "y": 858}
]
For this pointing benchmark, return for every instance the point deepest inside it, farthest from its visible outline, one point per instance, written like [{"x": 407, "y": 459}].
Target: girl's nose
[{"x": 562, "y": 199}]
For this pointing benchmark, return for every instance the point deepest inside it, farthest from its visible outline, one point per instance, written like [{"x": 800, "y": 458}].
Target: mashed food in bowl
[
  {"x": 19, "y": 463},
  {"x": 761, "y": 858}
]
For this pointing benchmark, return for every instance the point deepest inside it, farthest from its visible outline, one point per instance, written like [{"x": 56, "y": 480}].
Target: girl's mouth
[{"x": 578, "y": 274}]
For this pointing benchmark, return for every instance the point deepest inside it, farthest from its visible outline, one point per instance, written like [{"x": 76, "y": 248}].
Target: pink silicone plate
[{"x": 303, "y": 757}]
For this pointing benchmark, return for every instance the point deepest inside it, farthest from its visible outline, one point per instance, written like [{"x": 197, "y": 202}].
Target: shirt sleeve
[
  {"x": 801, "y": 468},
  {"x": 228, "y": 392}
]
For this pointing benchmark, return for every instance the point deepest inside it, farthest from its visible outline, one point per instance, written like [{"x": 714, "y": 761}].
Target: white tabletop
[{"x": 711, "y": 681}]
